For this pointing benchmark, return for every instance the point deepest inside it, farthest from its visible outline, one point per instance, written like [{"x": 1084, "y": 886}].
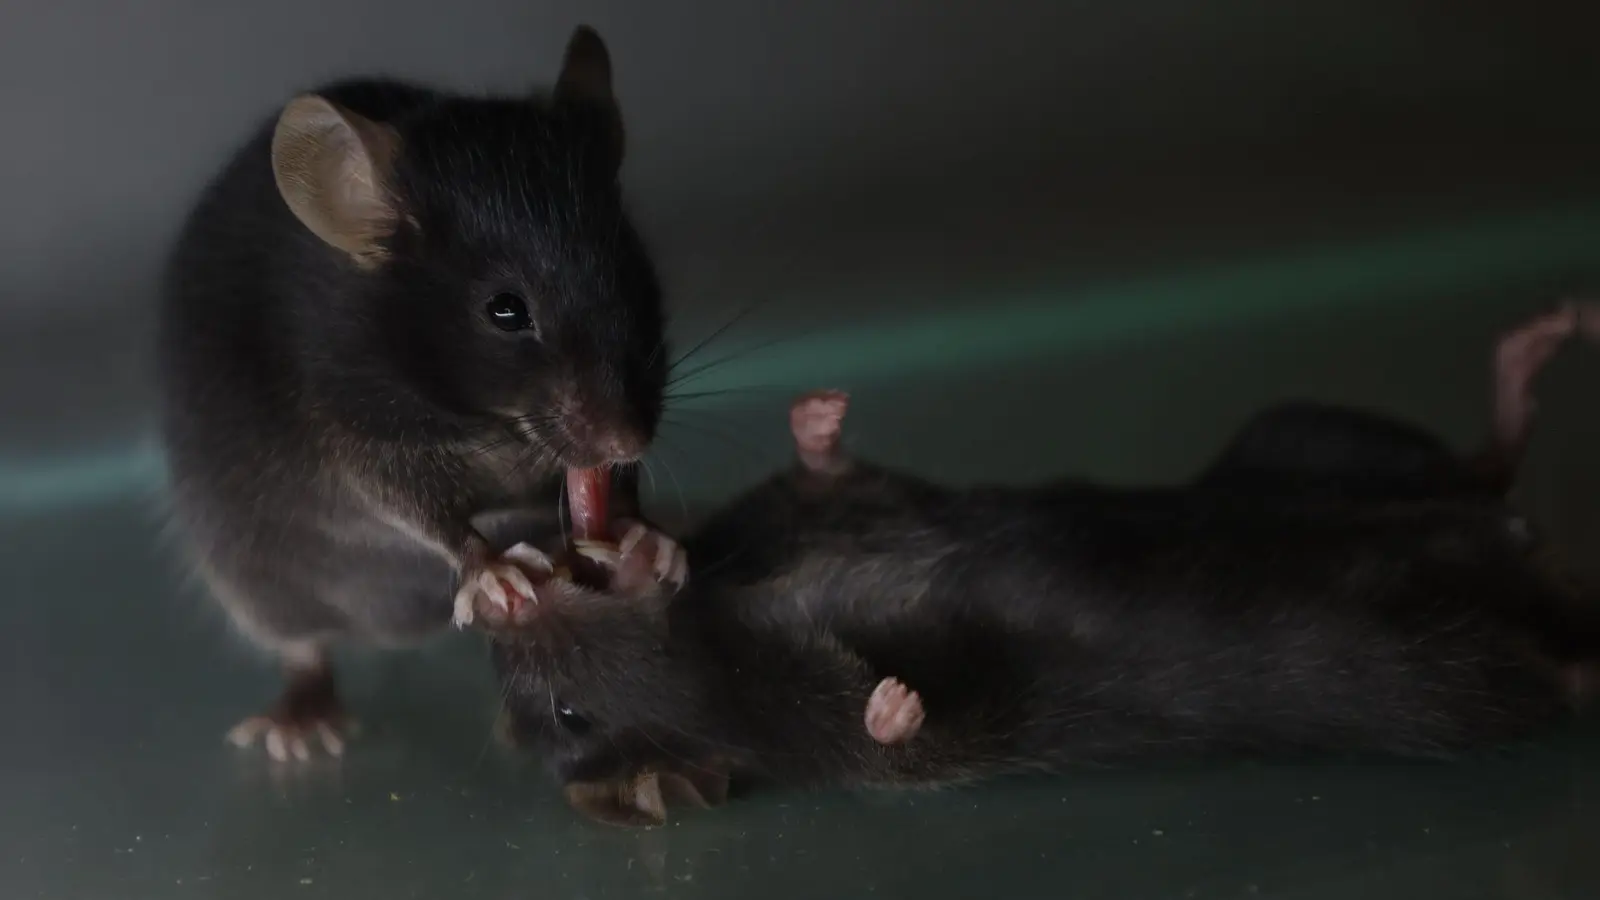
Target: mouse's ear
[
  {"x": 586, "y": 78},
  {"x": 629, "y": 802},
  {"x": 331, "y": 165}
]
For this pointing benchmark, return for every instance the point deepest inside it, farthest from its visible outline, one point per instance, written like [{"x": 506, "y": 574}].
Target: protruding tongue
[{"x": 587, "y": 491}]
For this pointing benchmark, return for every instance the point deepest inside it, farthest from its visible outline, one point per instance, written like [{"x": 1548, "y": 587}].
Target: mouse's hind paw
[
  {"x": 308, "y": 715},
  {"x": 894, "y": 712},
  {"x": 816, "y": 421}
]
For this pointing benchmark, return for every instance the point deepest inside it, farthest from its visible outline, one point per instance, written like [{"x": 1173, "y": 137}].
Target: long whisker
[
  {"x": 679, "y": 378},
  {"x": 701, "y": 344},
  {"x": 561, "y": 513},
  {"x": 748, "y": 389},
  {"x": 751, "y": 451},
  {"x": 683, "y": 502}
]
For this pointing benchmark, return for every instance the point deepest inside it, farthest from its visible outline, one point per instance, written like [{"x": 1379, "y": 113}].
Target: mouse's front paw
[
  {"x": 497, "y": 589},
  {"x": 644, "y": 560}
]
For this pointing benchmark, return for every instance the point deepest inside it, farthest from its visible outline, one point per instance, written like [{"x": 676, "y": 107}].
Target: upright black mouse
[
  {"x": 847, "y": 625},
  {"x": 391, "y": 320}
]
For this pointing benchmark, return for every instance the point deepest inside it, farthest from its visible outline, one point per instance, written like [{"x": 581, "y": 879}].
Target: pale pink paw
[
  {"x": 286, "y": 739},
  {"x": 816, "y": 420},
  {"x": 497, "y": 590},
  {"x": 308, "y": 715},
  {"x": 1518, "y": 358},
  {"x": 643, "y": 560},
  {"x": 894, "y": 712}
]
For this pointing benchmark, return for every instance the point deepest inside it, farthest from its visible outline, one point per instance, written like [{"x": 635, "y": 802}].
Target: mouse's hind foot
[
  {"x": 816, "y": 420},
  {"x": 309, "y": 714},
  {"x": 894, "y": 712},
  {"x": 1520, "y": 354}
]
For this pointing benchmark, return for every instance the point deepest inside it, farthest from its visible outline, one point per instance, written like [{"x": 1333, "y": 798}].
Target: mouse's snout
[
  {"x": 600, "y": 418},
  {"x": 599, "y": 440}
]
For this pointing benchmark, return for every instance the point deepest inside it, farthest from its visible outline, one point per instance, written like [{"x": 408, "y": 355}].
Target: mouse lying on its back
[{"x": 847, "y": 625}]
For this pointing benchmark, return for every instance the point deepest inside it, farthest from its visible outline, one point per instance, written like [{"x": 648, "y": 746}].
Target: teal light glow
[
  {"x": 1029, "y": 323},
  {"x": 1034, "y": 323}
]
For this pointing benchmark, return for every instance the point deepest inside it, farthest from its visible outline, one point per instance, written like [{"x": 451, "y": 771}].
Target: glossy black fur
[
  {"x": 331, "y": 431},
  {"x": 1062, "y": 626}
]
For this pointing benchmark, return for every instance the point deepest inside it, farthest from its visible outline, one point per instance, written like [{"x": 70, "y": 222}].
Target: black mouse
[
  {"x": 390, "y": 322},
  {"x": 845, "y": 625}
]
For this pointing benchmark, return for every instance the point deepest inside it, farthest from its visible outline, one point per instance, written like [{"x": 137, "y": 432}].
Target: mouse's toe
[
  {"x": 648, "y": 559},
  {"x": 309, "y": 716},
  {"x": 497, "y": 592}
]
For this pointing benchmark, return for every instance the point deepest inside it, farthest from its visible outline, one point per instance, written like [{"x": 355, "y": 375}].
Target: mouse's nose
[
  {"x": 607, "y": 443},
  {"x": 619, "y": 445}
]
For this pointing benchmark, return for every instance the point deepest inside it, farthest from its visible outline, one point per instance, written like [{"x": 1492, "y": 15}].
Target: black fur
[
  {"x": 1060, "y": 626},
  {"x": 332, "y": 431}
]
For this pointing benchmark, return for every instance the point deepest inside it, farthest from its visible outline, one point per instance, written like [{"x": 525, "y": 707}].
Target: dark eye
[
  {"x": 570, "y": 720},
  {"x": 508, "y": 312}
]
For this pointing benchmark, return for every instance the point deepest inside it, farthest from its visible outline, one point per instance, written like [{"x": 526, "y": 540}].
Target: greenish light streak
[
  {"x": 1055, "y": 323},
  {"x": 1036, "y": 323}
]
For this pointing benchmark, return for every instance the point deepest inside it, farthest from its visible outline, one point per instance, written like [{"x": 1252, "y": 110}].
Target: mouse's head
[
  {"x": 495, "y": 268},
  {"x": 612, "y": 697}
]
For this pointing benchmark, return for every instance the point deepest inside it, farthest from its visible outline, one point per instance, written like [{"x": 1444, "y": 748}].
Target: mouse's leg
[
  {"x": 816, "y": 419},
  {"x": 1519, "y": 356},
  {"x": 894, "y": 712},
  {"x": 308, "y": 711}
]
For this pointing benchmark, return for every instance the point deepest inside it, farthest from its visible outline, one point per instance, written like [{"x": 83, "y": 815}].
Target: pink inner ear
[{"x": 587, "y": 493}]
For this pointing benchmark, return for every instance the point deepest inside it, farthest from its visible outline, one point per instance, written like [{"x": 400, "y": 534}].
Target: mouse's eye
[
  {"x": 570, "y": 720},
  {"x": 508, "y": 312}
]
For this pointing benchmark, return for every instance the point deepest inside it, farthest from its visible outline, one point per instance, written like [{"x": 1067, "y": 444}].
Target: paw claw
[
  {"x": 518, "y": 580},
  {"x": 331, "y": 741},
  {"x": 483, "y": 592},
  {"x": 277, "y": 748},
  {"x": 667, "y": 563},
  {"x": 245, "y": 733},
  {"x": 529, "y": 556},
  {"x": 605, "y": 555},
  {"x": 489, "y": 584}
]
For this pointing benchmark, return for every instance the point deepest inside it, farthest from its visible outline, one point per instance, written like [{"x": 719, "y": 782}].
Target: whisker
[
  {"x": 683, "y": 502},
  {"x": 561, "y": 513},
  {"x": 650, "y": 476},
  {"x": 748, "y": 389},
  {"x": 789, "y": 336},
  {"x": 718, "y": 332},
  {"x": 753, "y": 452}
]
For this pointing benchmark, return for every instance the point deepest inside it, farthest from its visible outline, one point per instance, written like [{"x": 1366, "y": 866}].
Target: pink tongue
[{"x": 587, "y": 490}]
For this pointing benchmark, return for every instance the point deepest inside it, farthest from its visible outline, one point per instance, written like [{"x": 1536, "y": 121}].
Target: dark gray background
[{"x": 841, "y": 165}]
